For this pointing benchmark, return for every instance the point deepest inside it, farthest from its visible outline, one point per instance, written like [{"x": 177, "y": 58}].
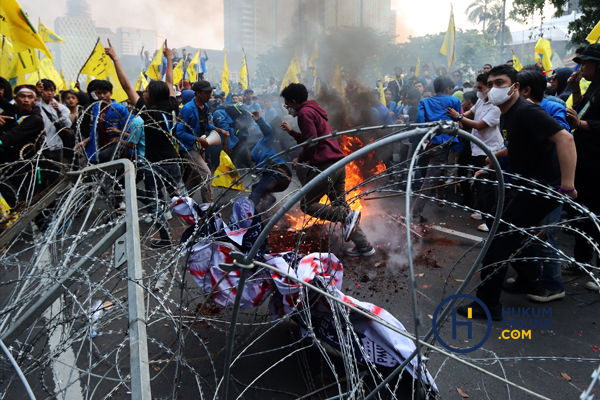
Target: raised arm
[
  {"x": 167, "y": 52},
  {"x": 125, "y": 84}
]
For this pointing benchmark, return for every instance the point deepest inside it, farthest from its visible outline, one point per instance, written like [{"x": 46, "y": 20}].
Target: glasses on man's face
[{"x": 552, "y": 78}]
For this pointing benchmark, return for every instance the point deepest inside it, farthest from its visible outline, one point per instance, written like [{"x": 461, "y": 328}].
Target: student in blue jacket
[
  {"x": 194, "y": 124},
  {"x": 275, "y": 174}
]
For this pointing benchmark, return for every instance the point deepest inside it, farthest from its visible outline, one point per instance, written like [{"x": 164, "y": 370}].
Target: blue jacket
[
  {"x": 556, "y": 111},
  {"x": 222, "y": 120},
  {"x": 117, "y": 116},
  {"x": 393, "y": 106},
  {"x": 434, "y": 109},
  {"x": 264, "y": 148},
  {"x": 189, "y": 127},
  {"x": 384, "y": 114}
]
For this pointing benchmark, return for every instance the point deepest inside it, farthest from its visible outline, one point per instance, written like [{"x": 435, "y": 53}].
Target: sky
[{"x": 178, "y": 21}]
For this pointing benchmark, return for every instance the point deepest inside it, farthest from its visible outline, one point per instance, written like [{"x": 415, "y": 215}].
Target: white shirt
[
  {"x": 54, "y": 141},
  {"x": 491, "y": 136}
]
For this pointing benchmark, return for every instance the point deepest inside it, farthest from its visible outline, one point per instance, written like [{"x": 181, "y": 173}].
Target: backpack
[{"x": 242, "y": 119}]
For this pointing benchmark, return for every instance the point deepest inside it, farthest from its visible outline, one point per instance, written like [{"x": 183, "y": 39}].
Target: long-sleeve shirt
[
  {"x": 188, "y": 129},
  {"x": 434, "y": 109},
  {"x": 556, "y": 111},
  {"x": 51, "y": 118},
  {"x": 264, "y": 148}
]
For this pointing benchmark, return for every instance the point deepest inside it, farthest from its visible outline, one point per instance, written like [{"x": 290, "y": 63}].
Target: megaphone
[{"x": 214, "y": 139}]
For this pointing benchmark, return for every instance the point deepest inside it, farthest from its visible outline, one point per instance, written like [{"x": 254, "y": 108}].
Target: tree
[
  {"x": 495, "y": 26},
  {"x": 578, "y": 29},
  {"x": 479, "y": 11}
]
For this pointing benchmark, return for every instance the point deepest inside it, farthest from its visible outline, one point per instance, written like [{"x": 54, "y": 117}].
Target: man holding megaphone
[{"x": 196, "y": 133}]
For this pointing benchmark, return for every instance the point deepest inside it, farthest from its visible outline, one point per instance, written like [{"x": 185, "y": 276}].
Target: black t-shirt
[
  {"x": 527, "y": 128},
  {"x": 157, "y": 124}
]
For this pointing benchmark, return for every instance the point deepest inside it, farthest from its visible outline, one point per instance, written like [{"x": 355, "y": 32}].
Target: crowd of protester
[{"x": 177, "y": 135}]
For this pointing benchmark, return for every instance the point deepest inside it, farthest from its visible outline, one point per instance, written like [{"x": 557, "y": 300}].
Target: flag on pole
[
  {"x": 516, "y": 63},
  {"x": 337, "y": 82},
  {"x": 418, "y": 68},
  {"x": 291, "y": 76},
  {"x": 594, "y": 35},
  {"x": 312, "y": 64},
  {"x": 141, "y": 83},
  {"x": 63, "y": 82},
  {"x": 225, "y": 76},
  {"x": 153, "y": 71},
  {"x": 192, "y": 73},
  {"x": 449, "y": 46},
  {"x": 6, "y": 51},
  {"x": 46, "y": 71},
  {"x": 47, "y": 35},
  {"x": 72, "y": 85},
  {"x": 382, "y": 92},
  {"x": 244, "y": 72},
  {"x": 23, "y": 63},
  {"x": 543, "y": 52},
  {"x": 15, "y": 25},
  {"x": 178, "y": 73},
  {"x": 100, "y": 66}
]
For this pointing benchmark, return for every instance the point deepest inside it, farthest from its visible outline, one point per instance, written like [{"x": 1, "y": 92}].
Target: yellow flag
[
  {"x": 72, "y": 85},
  {"x": 337, "y": 82},
  {"x": 244, "y": 72},
  {"x": 594, "y": 36},
  {"x": 382, "y": 92},
  {"x": 153, "y": 71},
  {"x": 226, "y": 174},
  {"x": 141, "y": 83},
  {"x": 63, "y": 81},
  {"x": 291, "y": 76},
  {"x": 449, "y": 46},
  {"x": 225, "y": 76},
  {"x": 15, "y": 25},
  {"x": 543, "y": 52},
  {"x": 516, "y": 63},
  {"x": 192, "y": 73},
  {"x": 178, "y": 73},
  {"x": 100, "y": 66},
  {"x": 6, "y": 52},
  {"x": 47, "y": 71},
  {"x": 418, "y": 68},
  {"x": 47, "y": 35},
  {"x": 23, "y": 63},
  {"x": 312, "y": 64}
]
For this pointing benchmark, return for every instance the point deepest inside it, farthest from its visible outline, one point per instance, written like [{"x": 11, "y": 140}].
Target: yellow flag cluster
[
  {"x": 244, "y": 72},
  {"x": 225, "y": 76},
  {"x": 46, "y": 71},
  {"x": 291, "y": 76},
  {"x": 449, "y": 46},
  {"x": 100, "y": 66},
  {"x": 15, "y": 25}
]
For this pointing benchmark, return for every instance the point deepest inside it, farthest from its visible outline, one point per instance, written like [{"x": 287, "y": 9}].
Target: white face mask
[
  {"x": 482, "y": 95},
  {"x": 292, "y": 112},
  {"x": 499, "y": 96},
  {"x": 93, "y": 94}
]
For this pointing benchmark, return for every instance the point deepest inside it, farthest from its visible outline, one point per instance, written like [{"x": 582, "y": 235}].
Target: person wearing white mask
[
  {"x": 483, "y": 118},
  {"x": 538, "y": 149}
]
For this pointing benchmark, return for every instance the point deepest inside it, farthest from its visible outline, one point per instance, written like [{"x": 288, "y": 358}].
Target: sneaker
[
  {"x": 418, "y": 219},
  {"x": 361, "y": 252},
  {"x": 483, "y": 228},
  {"x": 573, "y": 269},
  {"x": 477, "y": 312},
  {"x": 547, "y": 295},
  {"x": 168, "y": 215},
  {"x": 122, "y": 206},
  {"x": 592, "y": 286},
  {"x": 149, "y": 218},
  {"x": 160, "y": 244},
  {"x": 350, "y": 224},
  {"x": 520, "y": 286},
  {"x": 477, "y": 216}
]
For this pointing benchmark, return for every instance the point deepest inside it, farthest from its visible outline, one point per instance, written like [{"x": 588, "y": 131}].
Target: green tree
[
  {"x": 495, "y": 26},
  {"x": 578, "y": 29},
  {"x": 479, "y": 11}
]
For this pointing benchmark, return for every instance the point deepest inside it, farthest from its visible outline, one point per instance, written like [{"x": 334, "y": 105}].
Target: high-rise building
[
  {"x": 79, "y": 31},
  {"x": 256, "y": 25},
  {"x": 131, "y": 40}
]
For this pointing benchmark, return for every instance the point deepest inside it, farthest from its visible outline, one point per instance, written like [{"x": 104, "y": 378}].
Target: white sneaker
[
  {"x": 122, "y": 206},
  {"x": 483, "y": 228},
  {"x": 168, "y": 215},
  {"x": 149, "y": 219},
  {"x": 592, "y": 286},
  {"x": 350, "y": 224},
  {"x": 477, "y": 216}
]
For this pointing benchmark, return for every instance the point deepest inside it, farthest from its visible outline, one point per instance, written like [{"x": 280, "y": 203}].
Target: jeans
[
  {"x": 273, "y": 180},
  {"x": 197, "y": 174},
  {"x": 168, "y": 176},
  {"x": 335, "y": 188},
  {"x": 523, "y": 210},
  {"x": 437, "y": 157}
]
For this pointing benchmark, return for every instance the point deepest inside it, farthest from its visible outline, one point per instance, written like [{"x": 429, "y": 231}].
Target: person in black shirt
[
  {"x": 539, "y": 149},
  {"x": 157, "y": 108}
]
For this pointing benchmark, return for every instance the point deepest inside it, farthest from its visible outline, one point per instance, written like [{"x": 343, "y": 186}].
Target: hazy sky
[{"x": 200, "y": 22}]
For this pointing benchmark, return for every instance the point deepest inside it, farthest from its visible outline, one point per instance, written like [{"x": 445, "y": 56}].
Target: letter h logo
[{"x": 456, "y": 323}]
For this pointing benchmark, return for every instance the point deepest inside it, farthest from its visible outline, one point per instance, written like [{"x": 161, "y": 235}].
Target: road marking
[{"x": 457, "y": 233}]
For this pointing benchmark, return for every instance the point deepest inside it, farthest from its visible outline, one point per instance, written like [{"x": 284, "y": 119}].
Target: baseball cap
[
  {"x": 592, "y": 52},
  {"x": 202, "y": 86}
]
